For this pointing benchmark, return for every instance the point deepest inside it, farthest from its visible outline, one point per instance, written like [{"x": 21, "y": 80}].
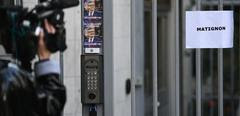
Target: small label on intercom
[{"x": 92, "y": 50}]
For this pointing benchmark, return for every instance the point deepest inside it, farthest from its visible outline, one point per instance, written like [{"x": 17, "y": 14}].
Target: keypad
[{"x": 92, "y": 80}]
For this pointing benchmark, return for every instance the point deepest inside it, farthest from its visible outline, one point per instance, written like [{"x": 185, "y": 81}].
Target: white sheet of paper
[{"x": 209, "y": 29}]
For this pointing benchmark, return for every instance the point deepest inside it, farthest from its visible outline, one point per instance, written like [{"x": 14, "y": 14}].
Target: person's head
[
  {"x": 90, "y": 5},
  {"x": 90, "y": 32}
]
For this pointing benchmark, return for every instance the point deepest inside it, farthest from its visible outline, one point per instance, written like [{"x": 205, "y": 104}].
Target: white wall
[
  {"x": 72, "y": 71},
  {"x": 122, "y": 56}
]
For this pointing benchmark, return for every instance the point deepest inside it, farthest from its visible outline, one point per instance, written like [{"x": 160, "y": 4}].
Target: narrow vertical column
[
  {"x": 199, "y": 90},
  {"x": 177, "y": 75},
  {"x": 220, "y": 72},
  {"x": 154, "y": 56},
  {"x": 198, "y": 74},
  {"x": 232, "y": 69},
  {"x": 93, "y": 58},
  {"x": 15, "y": 2},
  {"x": 108, "y": 57},
  {"x": 61, "y": 66},
  {"x": 133, "y": 55},
  {"x": 18, "y": 3},
  {"x": 61, "y": 71}
]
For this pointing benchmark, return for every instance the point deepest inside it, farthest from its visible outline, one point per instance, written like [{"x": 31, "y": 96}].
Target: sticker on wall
[
  {"x": 92, "y": 39},
  {"x": 92, "y": 26},
  {"x": 93, "y": 8}
]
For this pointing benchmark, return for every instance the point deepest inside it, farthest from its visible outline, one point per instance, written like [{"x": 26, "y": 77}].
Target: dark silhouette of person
[{"x": 25, "y": 94}]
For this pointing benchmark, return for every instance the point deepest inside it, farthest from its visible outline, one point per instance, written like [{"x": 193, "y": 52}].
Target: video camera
[{"x": 19, "y": 28}]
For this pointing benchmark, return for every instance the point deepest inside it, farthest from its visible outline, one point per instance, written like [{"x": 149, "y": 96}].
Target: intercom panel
[{"x": 92, "y": 79}]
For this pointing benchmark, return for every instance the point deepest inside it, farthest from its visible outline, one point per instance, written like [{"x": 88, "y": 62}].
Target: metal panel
[
  {"x": 133, "y": 57},
  {"x": 177, "y": 59},
  {"x": 108, "y": 57},
  {"x": 154, "y": 60},
  {"x": 139, "y": 58},
  {"x": 199, "y": 90},
  {"x": 220, "y": 73},
  {"x": 198, "y": 74}
]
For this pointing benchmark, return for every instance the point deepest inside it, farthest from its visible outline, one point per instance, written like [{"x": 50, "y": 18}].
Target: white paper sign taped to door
[{"x": 209, "y": 29}]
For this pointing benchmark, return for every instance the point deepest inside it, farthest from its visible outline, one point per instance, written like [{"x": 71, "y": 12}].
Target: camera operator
[{"x": 24, "y": 94}]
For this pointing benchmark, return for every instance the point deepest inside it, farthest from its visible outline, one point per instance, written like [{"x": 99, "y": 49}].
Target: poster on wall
[
  {"x": 92, "y": 26},
  {"x": 209, "y": 29}
]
